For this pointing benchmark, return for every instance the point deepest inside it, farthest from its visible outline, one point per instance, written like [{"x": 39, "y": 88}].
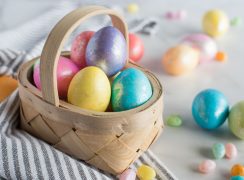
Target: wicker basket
[{"x": 110, "y": 141}]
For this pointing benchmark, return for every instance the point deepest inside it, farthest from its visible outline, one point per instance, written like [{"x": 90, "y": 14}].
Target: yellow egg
[
  {"x": 215, "y": 23},
  {"x": 180, "y": 59},
  {"x": 90, "y": 89},
  {"x": 145, "y": 172}
]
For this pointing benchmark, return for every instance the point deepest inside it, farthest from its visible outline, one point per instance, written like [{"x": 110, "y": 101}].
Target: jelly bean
[
  {"x": 218, "y": 150},
  {"x": 182, "y": 14},
  {"x": 221, "y": 56},
  {"x": 128, "y": 174},
  {"x": 174, "y": 121},
  {"x": 230, "y": 151},
  {"x": 237, "y": 170},
  {"x": 215, "y": 23},
  {"x": 237, "y": 178},
  {"x": 132, "y": 8},
  {"x": 207, "y": 166},
  {"x": 236, "y": 119},
  {"x": 145, "y": 172},
  {"x": 236, "y": 21}
]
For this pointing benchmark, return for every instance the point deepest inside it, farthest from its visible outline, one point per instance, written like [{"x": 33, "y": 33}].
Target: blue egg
[
  {"x": 130, "y": 89},
  {"x": 210, "y": 109},
  {"x": 107, "y": 50},
  {"x": 237, "y": 178}
]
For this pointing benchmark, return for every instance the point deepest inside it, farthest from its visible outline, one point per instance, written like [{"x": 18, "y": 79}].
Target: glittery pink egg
[
  {"x": 128, "y": 174},
  {"x": 207, "y": 166},
  {"x": 78, "y": 48},
  {"x": 230, "y": 151},
  {"x": 205, "y": 44},
  {"x": 65, "y": 72}
]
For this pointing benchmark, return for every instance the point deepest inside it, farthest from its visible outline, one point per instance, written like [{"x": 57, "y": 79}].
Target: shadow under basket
[{"x": 110, "y": 141}]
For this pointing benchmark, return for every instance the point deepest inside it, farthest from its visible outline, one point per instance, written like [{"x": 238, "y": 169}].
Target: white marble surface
[{"x": 181, "y": 149}]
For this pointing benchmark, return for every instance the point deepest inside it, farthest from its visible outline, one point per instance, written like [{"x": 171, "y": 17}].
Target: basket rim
[{"x": 155, "y": 83}]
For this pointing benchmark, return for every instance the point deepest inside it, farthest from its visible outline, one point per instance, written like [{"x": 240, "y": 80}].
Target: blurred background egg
[
  {"x": 7, "y": 86},
  {"x": 206, "y": 45},
  {"x": 236, "y": 120},
  {"x": 130, "y": 89},
  {"x": 210, "y": 109},
  {"x": 136, "y": 47},
  {"x": 107, "y": 50},
  {"x": 90, "y": 89},
  {"x": 215, "y": 23},
  {"x": 78, "y": 48},
  {"x": 65, "y": 72},
  {"x": 180, "y": 59}
]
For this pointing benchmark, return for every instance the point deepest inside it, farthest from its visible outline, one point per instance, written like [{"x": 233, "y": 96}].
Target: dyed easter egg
[
  {"x": 107, "y": 50},
  {"x": 128, "y": 174},
  {"x": 210, "y": 109},
  {"x": 205, "y": 44},
  {"x": 136, "y": 47},
  {"x": 78, "y": 48},
  {"x": 206, "y": 166},
  {"x": 230, "y": 151},
  {"x": 130, "y": 89},
  {"x": 65, "y": 71},
  {"x": 145, "y": 172},
  {"x": 236, "y": 120},
  {"x": 215, "y": 23},
  {"x": 237, "y": 178},
  {"x": 90, "y": 89},
  {"x": 7, "y": 86},
  {"x": 237, "y": 170},
  {"x": 180, "y": 59},
  {"x": 218, "y": 150}
]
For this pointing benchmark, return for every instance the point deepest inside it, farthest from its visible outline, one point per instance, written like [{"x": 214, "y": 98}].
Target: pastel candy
[
  {"x": 230, "y": 151},
  {"x": 174, "y": 121},
  {"x": 145, "y": 172},
  {"x": 207, "y": 166},
  {"x": 128, "y": 174},
  {"x": 218, "y": 150}
]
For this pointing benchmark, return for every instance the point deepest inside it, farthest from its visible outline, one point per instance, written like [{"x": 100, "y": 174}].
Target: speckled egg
[
  {"x": 130, "y": 89},
  {"x": 205, "y": 44},
  {"x": 210, "y": 109},
  {"x": 107, "y": 50},
  {"x": 180, "y": 60},
  {"x": 215, "y": 23},
  {"x": 236, "y": 120},
  {"x": 90, "y": 89},
  {"x": 65, "y": 72}
]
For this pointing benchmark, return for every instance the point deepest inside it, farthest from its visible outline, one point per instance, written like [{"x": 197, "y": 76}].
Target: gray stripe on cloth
[{"x": 70, "y": 170}]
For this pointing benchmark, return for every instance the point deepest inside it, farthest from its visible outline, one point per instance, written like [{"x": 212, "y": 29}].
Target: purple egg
[{"x": 107, "y": 50}]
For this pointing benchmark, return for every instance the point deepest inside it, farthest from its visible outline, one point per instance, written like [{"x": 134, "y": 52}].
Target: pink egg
[
  {"x": 128, "y": 174},
  {"x": 207, "y": 166},
  {"x": 78, "y": 48},
  {"x": 230, "y": 151},
  {"x": 205, "y": 44},
  {"x": 65, "y": 72}
]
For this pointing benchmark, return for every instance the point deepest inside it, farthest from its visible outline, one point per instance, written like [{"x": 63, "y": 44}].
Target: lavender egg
[
  {"x": 107, "y": 50},
  {"x": 205, "y": 44}
]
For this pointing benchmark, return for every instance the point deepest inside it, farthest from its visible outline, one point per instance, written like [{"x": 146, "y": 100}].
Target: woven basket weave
[{"x": 110, "y": 141}]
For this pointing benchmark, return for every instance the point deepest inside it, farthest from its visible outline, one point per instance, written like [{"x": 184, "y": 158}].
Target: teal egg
[
  {"x": 237, "y": 178},
  {"x": 130, "y": 89},
  {"x": 218, "y": 150}
]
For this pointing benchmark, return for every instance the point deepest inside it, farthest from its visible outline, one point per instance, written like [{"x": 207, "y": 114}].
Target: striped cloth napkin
[{"x": 25, "y": 157}]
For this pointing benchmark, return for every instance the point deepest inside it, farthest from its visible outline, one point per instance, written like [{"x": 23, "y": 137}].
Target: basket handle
[{"x": 56, "y": 39}]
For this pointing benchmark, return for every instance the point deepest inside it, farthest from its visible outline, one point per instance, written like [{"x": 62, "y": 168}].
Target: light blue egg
[
  {"x": 237, "y": 178},
  {"x": 210, "y": 109},
  {"x": 130, "y": 89},
  {"x": 218, "y": 150}
]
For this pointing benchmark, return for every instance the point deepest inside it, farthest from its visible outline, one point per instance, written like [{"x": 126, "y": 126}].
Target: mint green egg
[
  {"x": 218, "y": 150},
  {"x": 236, "y": 120}
]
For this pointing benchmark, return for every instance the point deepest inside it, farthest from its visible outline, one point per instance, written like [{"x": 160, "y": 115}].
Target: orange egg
[
  {"x": 180, "y": 60},
  {"x": 237, "y": 170},
  {"x": 7, "y": 86}
]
